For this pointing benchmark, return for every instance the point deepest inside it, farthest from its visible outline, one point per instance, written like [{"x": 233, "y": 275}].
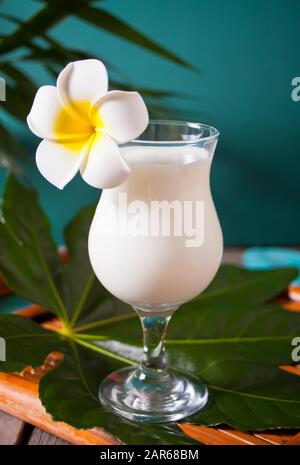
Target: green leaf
[
  {"x": 27, "y": 344},
  {"x": 261, "y": 333},
  {"x": 255, "y": 286},
  {"x": 270, "y": 400},
  {"x": 22, "y": 81},
  {"x": 10, "y": 18},
  {"x": 44, "y": 19},
  {"x": 71, "y": 391},
  {"x": 29, "y": 260},
  {"x": 16, "y": 102},
  {"x": 20, "y": 91},
  {"x": 71, "y": 388},
  {"x": 11, "y": 151},
  {"x": 81, "y": 292},
  {"x": 233, "y": 336},
  {"x": 110, "y": 23}
]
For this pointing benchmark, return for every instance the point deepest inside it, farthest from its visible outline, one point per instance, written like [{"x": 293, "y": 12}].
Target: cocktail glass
[{"x": 155, "y": 243}]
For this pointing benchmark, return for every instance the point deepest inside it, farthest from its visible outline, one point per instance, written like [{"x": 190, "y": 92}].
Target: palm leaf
[
  {"x": 43, "y": 20},
  {"x": 53, "y": 56},
  {"x": 11, "y": 152},
  {"x": 55, "y": 11},
  {"x": 110, "y": 23}
]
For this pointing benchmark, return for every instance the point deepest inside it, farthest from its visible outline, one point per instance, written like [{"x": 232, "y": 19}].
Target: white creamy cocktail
[
  {"x": 155, "y": 242},
  {"x": 166, "y": 244}
]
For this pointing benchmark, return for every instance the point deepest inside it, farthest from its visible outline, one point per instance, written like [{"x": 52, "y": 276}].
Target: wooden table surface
[{"x": 15, "y": 431}]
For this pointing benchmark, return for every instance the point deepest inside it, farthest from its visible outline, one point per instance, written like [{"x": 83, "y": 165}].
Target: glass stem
[{"x": 154, "y": 334}]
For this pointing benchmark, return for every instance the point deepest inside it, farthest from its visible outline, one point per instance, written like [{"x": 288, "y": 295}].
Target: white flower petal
[
  {"x": 59, "y": 162},
  {"x": 123, "y": 115},
  {"x": 48, "y": 118},
  {"x": 82, "y": 81},
  {"x": 104, "y": 167}
]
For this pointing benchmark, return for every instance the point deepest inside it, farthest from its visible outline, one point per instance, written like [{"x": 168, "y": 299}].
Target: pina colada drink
[{"x": 155, "y": 241}]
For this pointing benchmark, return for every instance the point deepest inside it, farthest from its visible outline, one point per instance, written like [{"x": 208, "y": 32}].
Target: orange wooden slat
[
  {"x": 219, "y": 436},
  {"x": 53, "y": 325},
  {"x": 208, "y": 436},
  {"x": 246, "y": 439},
  {"x": 294, "y": 440},
  {"x": 276, "y": 439},
  {"x": 31, "y": 311},
  {"x": 293, "y": 369},
  {"x": 19, "y": 397},
  {"x": 291, "y": 305}
]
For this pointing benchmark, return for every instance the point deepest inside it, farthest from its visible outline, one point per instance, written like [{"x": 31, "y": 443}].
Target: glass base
[{"x": 150, "y": 396}]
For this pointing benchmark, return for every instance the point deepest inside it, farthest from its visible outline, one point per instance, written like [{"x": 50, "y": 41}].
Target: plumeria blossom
[{"x": 82, "y": 124}]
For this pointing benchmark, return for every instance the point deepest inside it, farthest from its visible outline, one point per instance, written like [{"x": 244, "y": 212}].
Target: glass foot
[{"x": 150, "y": 396}]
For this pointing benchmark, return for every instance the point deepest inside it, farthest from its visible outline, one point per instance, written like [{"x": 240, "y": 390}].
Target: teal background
[{"x": 247, "y": 52}]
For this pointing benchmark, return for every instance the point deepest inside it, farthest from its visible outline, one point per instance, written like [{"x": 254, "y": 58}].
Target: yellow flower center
[{"x": 75, "y": 131}]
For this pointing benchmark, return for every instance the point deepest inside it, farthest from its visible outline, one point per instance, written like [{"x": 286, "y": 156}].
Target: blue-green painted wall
[{"x": 247, "y": 52}]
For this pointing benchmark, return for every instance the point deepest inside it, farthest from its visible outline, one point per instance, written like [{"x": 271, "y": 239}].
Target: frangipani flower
[{"x": 82, "y": 124}]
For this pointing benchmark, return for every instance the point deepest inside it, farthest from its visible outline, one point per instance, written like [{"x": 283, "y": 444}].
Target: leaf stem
[
  {"x": 108, "y": 321},
  {"x": 84, "y": 294},
  {"x": 80, "y": 372},
  {"x": 103, "y": 351},
  {"x": 254, "y": 396},
  {"x": 34, "y": 335},
  {"x": 62, "y": 308},
  {"x": 93, "y": 337},
  {"x": 226, "y": 340}
]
